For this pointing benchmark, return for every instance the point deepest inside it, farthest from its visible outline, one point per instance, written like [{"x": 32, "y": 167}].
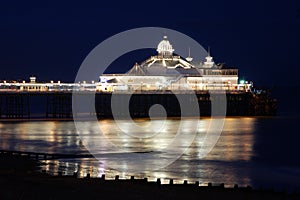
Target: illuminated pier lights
[
  {"x": 34, "y": 86},
  {"x": 164, "y": 71}
]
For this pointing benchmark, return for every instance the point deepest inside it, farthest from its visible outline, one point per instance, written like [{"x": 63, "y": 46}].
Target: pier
[
  {"x": 58, "y": 105},
  {"x": 27, "y": 105}
]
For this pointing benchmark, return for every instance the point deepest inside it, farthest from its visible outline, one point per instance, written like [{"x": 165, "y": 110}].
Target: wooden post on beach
[
  {"x": 158, "y": 181},
  {"x": 103, "y": 177}
]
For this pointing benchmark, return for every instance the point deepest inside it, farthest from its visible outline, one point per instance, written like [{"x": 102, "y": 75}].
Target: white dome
[{"x": 164, "y": 47}]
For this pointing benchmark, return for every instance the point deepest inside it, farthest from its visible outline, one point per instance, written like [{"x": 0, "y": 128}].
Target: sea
[{"x": 262, "y": 152}]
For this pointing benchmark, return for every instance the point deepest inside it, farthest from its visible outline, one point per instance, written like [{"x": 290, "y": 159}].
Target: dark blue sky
[{"x": 51, "y": 39}]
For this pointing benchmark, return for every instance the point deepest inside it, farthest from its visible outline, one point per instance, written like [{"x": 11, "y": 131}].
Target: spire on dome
[
  {"x": 189, "y": 58},
  {"x": 164, "y": 48},
  {"x": 209, "y": 63}
]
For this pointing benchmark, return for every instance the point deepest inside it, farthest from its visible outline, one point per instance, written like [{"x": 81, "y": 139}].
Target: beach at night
[{"x": 149, "y": 100}]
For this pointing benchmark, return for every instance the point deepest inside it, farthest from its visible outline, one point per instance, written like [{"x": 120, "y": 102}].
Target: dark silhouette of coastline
[{"x": 19, "y": 179}]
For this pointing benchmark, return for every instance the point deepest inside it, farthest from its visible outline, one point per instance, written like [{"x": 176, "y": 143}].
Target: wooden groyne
[{"x": 24, "y": 185}]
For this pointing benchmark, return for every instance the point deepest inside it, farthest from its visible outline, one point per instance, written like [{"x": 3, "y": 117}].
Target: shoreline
[{"x": 19, "y": 179}]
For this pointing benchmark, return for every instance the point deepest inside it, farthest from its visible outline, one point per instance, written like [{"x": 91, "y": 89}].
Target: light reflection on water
[
  {"x": 226, "y": 163},
  {"x": 235, "y": 144}
]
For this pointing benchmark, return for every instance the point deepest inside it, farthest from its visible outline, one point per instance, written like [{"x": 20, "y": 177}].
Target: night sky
[{"x": 51, "y": 39}]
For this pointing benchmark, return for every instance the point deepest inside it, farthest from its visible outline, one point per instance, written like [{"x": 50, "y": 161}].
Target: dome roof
[{"x": 164, "y": 47}]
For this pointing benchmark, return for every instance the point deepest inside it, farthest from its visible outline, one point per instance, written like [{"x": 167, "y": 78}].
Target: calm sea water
[{"x": 257, "y": 151}]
